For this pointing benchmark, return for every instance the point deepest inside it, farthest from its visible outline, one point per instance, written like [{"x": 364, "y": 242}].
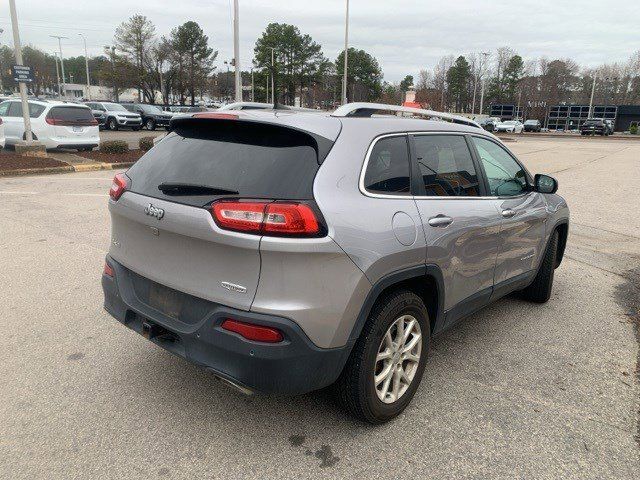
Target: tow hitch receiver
[{"x": 150, "y": 330}]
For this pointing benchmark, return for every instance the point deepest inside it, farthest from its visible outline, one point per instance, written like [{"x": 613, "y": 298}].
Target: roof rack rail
[{"x": 365, "y": 109}]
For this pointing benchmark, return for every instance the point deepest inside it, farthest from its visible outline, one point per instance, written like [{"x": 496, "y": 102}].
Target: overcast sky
[{"x": 404, "y": 36}]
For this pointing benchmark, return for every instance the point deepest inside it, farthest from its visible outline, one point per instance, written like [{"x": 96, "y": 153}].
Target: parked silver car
[{"x": 289, "y": 251}]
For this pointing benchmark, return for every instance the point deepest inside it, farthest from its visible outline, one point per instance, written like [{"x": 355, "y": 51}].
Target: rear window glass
[
  {"x": 255, "y": 160},
  {"x": 71, "y": 114}
]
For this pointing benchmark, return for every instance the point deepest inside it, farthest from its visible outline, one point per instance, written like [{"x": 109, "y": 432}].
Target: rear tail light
[
  {"x": 269, "y": 218},
  {"x": 119, "y": 185},
  {"x": 71, "y": 123},
  {"x": 256, "y": 333},
  {"x": 108, "y": 270},
  {"x": 0, "y": 121}
]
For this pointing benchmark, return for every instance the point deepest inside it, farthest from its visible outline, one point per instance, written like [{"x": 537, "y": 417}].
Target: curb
[
  {"x": 92, "y": 167},
  {"x": 68, "y": 169}
]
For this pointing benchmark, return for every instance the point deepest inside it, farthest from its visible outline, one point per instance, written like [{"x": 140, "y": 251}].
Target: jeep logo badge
[{"x": 154, "y": 211}]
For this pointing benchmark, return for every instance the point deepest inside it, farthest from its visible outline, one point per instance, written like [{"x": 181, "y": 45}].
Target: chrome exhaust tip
[{"x": 239, "y": 388}]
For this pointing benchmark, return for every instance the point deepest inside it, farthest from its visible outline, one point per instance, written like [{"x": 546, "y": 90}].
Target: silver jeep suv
[{"x": 288, "y": 251}]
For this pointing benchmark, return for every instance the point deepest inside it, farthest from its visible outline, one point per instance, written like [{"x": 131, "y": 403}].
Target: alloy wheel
[{"x": 398, "y": 359}]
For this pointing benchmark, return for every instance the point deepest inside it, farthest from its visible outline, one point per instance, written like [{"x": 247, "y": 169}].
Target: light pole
[
  {"x": 226, "y": 83},
  {"x": 346, "y": 55},
  {"x": 86, "y": 66},
  {"x": 252, "y": 86},
  {"x": 593, "y": 90},
  {"x": 64, "y": 89},
  {"x": 272, "y": 75},
  {"x": 485, "y": 55},
  {"x": 1, "y": 87},
  {"x": 23, "y": 88},
  {"x": 236, "y": 50},
  {"x": 55, "y": 59}
]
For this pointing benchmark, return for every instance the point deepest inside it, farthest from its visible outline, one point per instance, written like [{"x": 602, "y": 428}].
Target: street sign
[{"x": 22, "y": 73}]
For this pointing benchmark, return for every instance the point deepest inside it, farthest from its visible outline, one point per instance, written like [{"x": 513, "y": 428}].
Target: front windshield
[{"x": 115, "y": 107}]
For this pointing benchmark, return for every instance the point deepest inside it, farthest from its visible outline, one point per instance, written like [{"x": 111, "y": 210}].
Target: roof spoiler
[{"x": 365, "y": 109}]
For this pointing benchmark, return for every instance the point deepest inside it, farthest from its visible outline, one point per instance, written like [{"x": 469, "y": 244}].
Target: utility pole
[
  {"x": 485, "y": 55},
  {"x": 64, "y": 88},
  {"x": 346, "y": 55},
  {"x": 86, "y": 66},
  {"x": 266, "y": 98},
  {"x": 23, "y": 88},
  {"x": 55, "y": 57},
  {"x": 236, "y": 50},
  {"x": 593, "y": 90}
]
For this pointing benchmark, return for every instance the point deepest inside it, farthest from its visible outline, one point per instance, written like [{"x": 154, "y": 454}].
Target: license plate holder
[
  {"x": 166, "y": 300},
  {"x": 78, "y": 129}
]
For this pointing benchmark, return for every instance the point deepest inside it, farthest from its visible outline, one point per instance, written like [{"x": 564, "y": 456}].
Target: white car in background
[
  {"x": 53, "y": 123},
  {"x": 510, "y": 126}
]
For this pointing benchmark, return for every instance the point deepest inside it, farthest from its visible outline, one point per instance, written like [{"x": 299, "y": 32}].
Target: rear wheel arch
[{"x": 424, "y": 280}]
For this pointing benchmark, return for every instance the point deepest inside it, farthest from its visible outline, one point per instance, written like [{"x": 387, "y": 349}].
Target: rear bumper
[
  {"x": 66, "y": 142},
  {"x": 294, "y": 366}
]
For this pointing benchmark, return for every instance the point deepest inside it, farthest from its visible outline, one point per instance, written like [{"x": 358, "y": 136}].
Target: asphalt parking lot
[{"x": 516, "y": 391}]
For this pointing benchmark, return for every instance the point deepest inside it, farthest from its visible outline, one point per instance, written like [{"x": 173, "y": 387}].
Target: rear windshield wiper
[{"x": 169, "y": 188}]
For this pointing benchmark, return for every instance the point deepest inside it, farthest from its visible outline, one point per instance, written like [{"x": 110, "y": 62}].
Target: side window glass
[
  {"x": 506, "y": 178},
  {"x": 446, "y": 166},
  {"x": 15, "y": 109},
  {"x": 4, "y": 109},
  {"x": 35, "y": 110},
  {"x": 388, "y": 167}
]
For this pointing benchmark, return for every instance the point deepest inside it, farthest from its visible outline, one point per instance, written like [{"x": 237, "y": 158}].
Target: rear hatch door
[
  {"x": 72, "y": 121},
  {"x": 170, "y": 237}
]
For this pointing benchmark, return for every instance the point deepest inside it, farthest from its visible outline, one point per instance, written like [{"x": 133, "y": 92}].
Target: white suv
[{"x": 55, "y": 124}]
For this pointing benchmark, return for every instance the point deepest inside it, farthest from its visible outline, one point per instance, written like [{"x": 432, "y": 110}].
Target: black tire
[
  {"x": 112, "y": 124},
  {"x": 150, "y": 125},
  {"x": 540, "y": 290},
  {"x": 355, "y": 390}
]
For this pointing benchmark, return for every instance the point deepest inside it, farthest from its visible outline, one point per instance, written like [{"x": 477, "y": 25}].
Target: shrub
[
  {"x": 114, "y": 146},
  {"x": 145, "y": 143},
  {"x": 633, "y": 129}
]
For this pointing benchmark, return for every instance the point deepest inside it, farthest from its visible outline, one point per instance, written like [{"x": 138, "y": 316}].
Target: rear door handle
[
  {"x": 508, "y": 213},
  {"x": 440, "y": 221}
]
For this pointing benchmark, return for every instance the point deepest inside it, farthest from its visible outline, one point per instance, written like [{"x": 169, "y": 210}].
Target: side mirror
[{"x": 545, "y": 184}]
